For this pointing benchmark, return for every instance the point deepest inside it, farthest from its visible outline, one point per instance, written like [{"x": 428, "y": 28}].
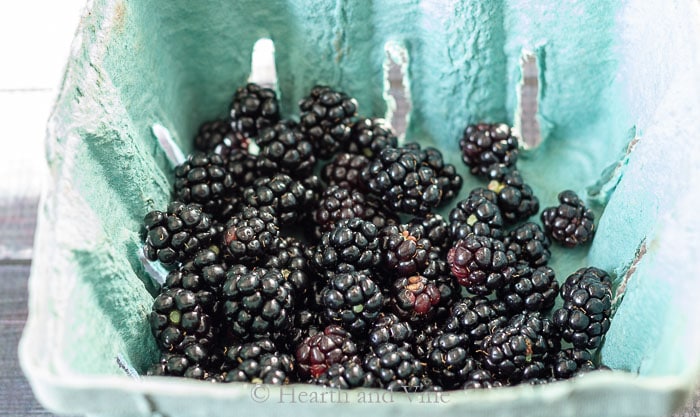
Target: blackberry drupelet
[
  {"x": 435, "y": 228},
  {"x": 530, "y": 289},
  {"x": 585, "y": 316},
  {"x": 481, "y": 379},
  {"x": 336, "y": 204},
  {"x": 203, "y": 276},
  {"x": 404, "y": 250},
  {"x": 529, "y": 243},
  {"x": 291, "y": 199},
  {"x": 218, "y": 137},
  {"x": 475, "y": 317},
  {"x": 352, "y": 244},
  {"x": 423, "y": 337},
  {"x": 344, "y": 375},
  {"x": 449, "y": 360},
  {"x": 377, "y": 214},
  {"x": 477, "y": 214},
  {"x": 389, "y": 328},
  {"x": 253, "y": 108},
  {"x": 288, "y": 257},
  {"x": 321, "y": 350},
  {"x": 369, "y": 136},
  {"x": 326, "y": 116},
  {"x": 352, "y": 300},
  {"x": 522, "y": 349},
  {"x": 344, "y": 170},
  {"x": 250, "y": 235},
  {"x": 241, "y": 167},
  {"x": 257, "y": 303},
  {"x": 407, "y": 180},
  {"x": 481, "y": 264},
  {"x": 194, "y": 363},
  {"x": 572, "y": 362},
  {"x": 486, "y": 147},
  {"x": 394, "y": 368},
  {"x": 203, "y": 179},
  {"x": 516, "y": 200},
  {"x": 570, "y": 223},
  {"x": 307, "y": 322},
  {"x": 178, "y": 233},
  {"x": 285, "y": 149},
  {"x": 415, "y": 298},
  {"x": 259, "y": 362}
]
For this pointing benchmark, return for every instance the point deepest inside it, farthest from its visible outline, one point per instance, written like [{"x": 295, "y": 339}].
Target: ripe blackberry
[
  {"x": 530, "y": 289},
  {"x": 344, "y": 170},
  {"x": 291, "y": 199},
  {"x": 404, "y": 250},
  {"x": 415, "y": 298},
  {"x": 250, "y": 235},
  {"x": 379, "y": 215},
  {"x": 394, "y": 368},
  {"x": 478, "y": 214},
  {"x": 318, "y": 352},
  {"x": 352, "y": 300},
  {"x": 481, "y": 264},
  {"x": 435, "y": 228},
  {"x": 516, "y": 199},
  {"x": 369, "y": 136},
  {"x": 423, "y": 337},
  {"x": 177, "y": 234},
  {"x": 407, "y": 180},
  {"x": 488, "y": 146},
  {"x": 352, "y": 244},
  {"x": 481, "y": 379},
  {"x": 288, "y": 257},
  {"x": 203, "y": 276},
  {"x": 449, "y": 360},
  {"x": 257, "y": 303},
  {"x": 326, "y": 116},
  {"x": 571, "y": 222},
  {"x": 307, "y": 322},
  {"x": 475, "y": 317},
  {"x": 285, "y": 149},
  {"x": 253, "y": 108},
  {"x": 337, "y": 203},
  {"x": 241, "y": 168},
  {"x": 203, "y": 179},
  {"x": 218, "y": 137},
  {"x": 194, "y": 363},
  {"x": 344, "y": 375},
  {"x": 389, "y": 328},
  {"x": 572, "y": 362},
  {"x": 585, "y": 316},
  {"x": 529, "y": 243},
  {"x": 259, "y": 362},
  {"x": 522, "y": 349}
]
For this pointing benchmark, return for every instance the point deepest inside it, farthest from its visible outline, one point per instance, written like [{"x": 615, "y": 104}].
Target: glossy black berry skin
[
  {"x": 218, "y": 137},
  {"x": 335, "y": 204},
  {"x": 344, "y": 170},
  {"x": 572, "y": 362},
  {"x": 318, "y": 352},
  {"x": 570, "y": 223},
  {"x": 404, "y": 250},
  {"x": 486, "y": 147},
  {"x": 203, "y": 179},
  {"x": 250, "y": 235},
  {"x": 435, "y": 228},
  {"x": 393, "y": 368},
  {"x": 389, "y": 328},
  {"x": 285, "y": 149},
  {"x": 530, "y": 289},
  {"x": 481, "y": 264},
  {"x": 530, "y": 244},
  {"x": 194, "y": 363},
  {"x": 326, "y": 117},
  {"x": 290, "y": 199},
  {"x": 253, "y": 108},
  {"x": 450, "y": 361},
  {"x": 352, "y": 300},
  {"x": 475, "y": 317},
  {"x": 478, "y": 214},
  {"x": 515, "y": 198},
  {"x": 203, "y": 275},
  {"x": 352, "y": 244},
  {"x": 369, "y": 136},
  {"x": 289, "y": 258},
  {"x": 344, "y": 375},
  {"x": 258, "y": 362},
  {"x": 585, "y": 316}
]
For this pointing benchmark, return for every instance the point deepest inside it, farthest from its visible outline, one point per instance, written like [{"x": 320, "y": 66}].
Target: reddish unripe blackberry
[
  {"x": 475, "y": 317},
  {"x": 572, "y": 362},
  {"x": 393, "y": 368},
  {"x": 291, "y": 199},
  {"x": 325, "y": 117},
  {"x": 369, "y": 136},
  {"x": 352, "y": 243},
  {"x": 259, "y": 362},
  {"x": 344, "y": 170},
  {"x": 529, "y": 243},
  {"x": 218, "y": 137},
  {"x": 389, "y": 328},
  {"x": 478, "y": 214},
  {"x": 530, "y": 289},
  {"x": 250, "y": 235},
  {"x": 319, "y": 351},
  {"x": 488, "y": 146},
  {"x": 415, "y": 298},
  {"x": 585, "y": 316},
  {"x": 285, "y": 149},
  {"x": 335, "y": 204},
  {"x": 481, "y": 264},
  {"x": 516, "y": 200},
  {"x": 449, "y": 360},
  {"x": 570, "y": 223},
  {"x": 253, "y": 108},
  {"x": 404, "y": 251},
  {"x": 178, "y": 233},
  {"x": 352, "y": 300}
]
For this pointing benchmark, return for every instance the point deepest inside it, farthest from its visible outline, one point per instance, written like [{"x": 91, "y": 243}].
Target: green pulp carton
[{"x": 618, "y": 93}]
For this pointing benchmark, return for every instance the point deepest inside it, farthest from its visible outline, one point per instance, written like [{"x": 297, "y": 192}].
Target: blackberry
[
  {"x": 475, "y": 317},
  {"x": 177, "y": 234},
  {"x": 585, "y": 316},
  {"x": 394, "y": 368},
  {"x": 435, "y": 228},
  {"x": 369, "y": 136},
  {"x": 478, "y": 214},
  {"x": 530, "y": 289},
  {"x": 516, "y": 200},
  {"x": 389, "y": 328},
  {"x": 529, "y": 243},
  {"x": 337, "y": 203},
  {"x": 488, "y": 146},
  {"x": 218, "y": 137},
  {"x": 449, "y": 360},
  {"x": 291, "y": 199},
  {"x": 415, "y": 298},
  {"x": 241, "y": 168},
  {"x": 572, "y": 362},
  {"x": 379, "y": 215},
  {"x": 321, "y": 350},
  {"x": 522, "y": 349},
  {"x": 404, "y": 251},
  {"x": 250, "y": 235},
  {"x": 203, "y": 276},
  {"x": 203, "y": 179},
  {"x": 259, "y": 362},
  {"x": 352, "y": 243},
  {"x": 289, "y": 258},
  {"x": 253, "y": 108},
  {"x": 326, "y": 116},
  {"x": 257, "y": 303},
  {"x": 481, "y": 379},
  {"x": 352, "y": 300},
  {"x": 194, "y": 363},
  {"x": 307, "y": 322},
  {"x": 481, "y": 264},
  {"x": 344, "y": 375},
  {"x": 344, "y": 170},
  {"x": 407, "y": 180},
  {"x": 571, "y": 222},
  {"x": 284, "y": 149},
  {"x": 423, "y": 337}
]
